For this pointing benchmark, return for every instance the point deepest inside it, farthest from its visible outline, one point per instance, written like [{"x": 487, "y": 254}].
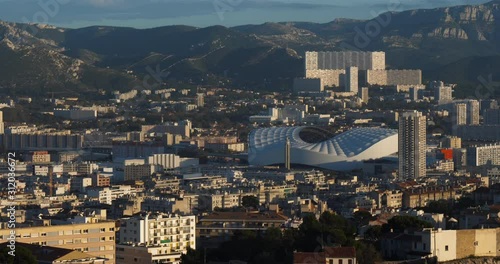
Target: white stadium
[{"x": 312, "y": 146}]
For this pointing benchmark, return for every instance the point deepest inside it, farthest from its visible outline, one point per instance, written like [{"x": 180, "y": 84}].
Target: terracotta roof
[
  {"x": 340, "y": 252},
  {"x": 309, "y": 258}
]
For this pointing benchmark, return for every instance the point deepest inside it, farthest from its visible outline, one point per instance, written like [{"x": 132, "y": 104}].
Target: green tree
[
  {"x": 273, "y": 233},
  {"x": 362, "y": 218},
  {"x": 373, "y": 233},
  {"x": 250, "y": 201},
  {"x": 366, "y": 253},
  {"x": 464, "y": 203},
  {"x": 439, "y": 207},
  {"x": 22, "y": 256},
  {"x": 192, "y": 256}
]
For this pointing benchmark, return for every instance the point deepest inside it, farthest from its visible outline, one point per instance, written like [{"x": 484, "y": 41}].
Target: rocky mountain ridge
[{"x": 39, "y": 59}]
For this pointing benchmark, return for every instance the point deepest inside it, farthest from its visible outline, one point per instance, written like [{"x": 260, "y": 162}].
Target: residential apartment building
[
  {"x": 442, "y": 92},
  {"x": 420, "y": 197},
  {"x": 75, "y": 114},
  {"x": 106, "y": 195},
  {"x": 39, "y": 157},
  {"x": 351, "y": 80},
  {"x": 451, "y": 142},
  {"x": 2, "y": 124},
  {"x": 136, "y": 171},
  {"x": 171, "y": 161},
  {"x": 221, "y": 200},
  {"x": 86, "y": 234},
  {"x": 41, "y": 140},
  {"x": 233, "y": 147},
  {"x": 412, "y": 145},
  {"x": 388, "y": 199},
  {"x": 483, "y": 155},
  {"x": 182, "y": 128},
  {"x": 155, "y": 238},
  {"x": 492, "y": 117},
  {"x": 330, "y": 60},
  {"x": 223, "y": 224}
]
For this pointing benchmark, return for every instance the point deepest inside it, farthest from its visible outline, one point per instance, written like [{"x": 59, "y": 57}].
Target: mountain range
[{"x": 458, "y": 44}]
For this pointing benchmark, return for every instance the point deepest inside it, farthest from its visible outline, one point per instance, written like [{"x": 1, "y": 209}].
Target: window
[
  {"x": 85, "y": 231},
  {"x": 424, "y": 246},
  {"x": 349, "y": 261},
  {"x": 340, "y": 261},
  {"x": 331, "y": 261},
  {"x": 476, "y": 243},
  {"x": 103, "y": 230},
  {"x": 445, "y": 248}
]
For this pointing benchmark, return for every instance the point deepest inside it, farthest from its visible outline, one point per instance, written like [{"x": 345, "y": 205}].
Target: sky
[{"x": 201, "y": 13}]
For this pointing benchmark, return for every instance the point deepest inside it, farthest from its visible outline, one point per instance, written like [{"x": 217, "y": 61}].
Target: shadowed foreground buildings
[
  {"x": 444, "y": 244},
  {"x": 56, "y": 255}
]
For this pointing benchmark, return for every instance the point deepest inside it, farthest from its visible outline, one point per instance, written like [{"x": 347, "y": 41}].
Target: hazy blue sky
[{"x": 152, "y": 13}]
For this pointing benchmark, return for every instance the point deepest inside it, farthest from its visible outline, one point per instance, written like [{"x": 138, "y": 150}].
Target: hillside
[{"x": 442, "y": 42}]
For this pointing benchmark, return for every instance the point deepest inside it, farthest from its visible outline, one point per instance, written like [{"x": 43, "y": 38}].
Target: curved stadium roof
[{"x": 316, "y": 147}]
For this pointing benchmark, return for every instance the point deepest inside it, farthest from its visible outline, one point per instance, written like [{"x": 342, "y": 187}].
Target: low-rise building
[{"x": 420, "y": 197}]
